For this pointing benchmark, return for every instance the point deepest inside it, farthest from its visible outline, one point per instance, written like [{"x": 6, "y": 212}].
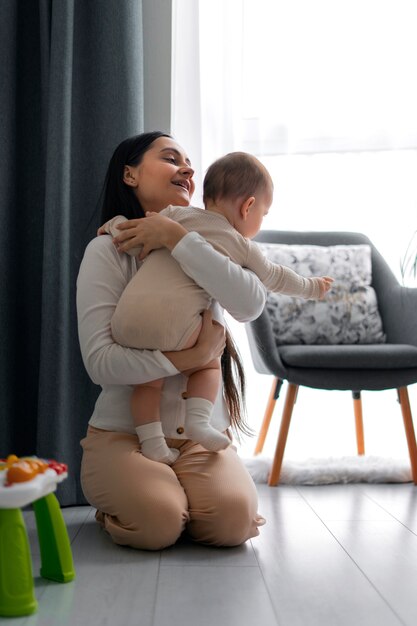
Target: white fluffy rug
[{"x": 348, "y": 469}]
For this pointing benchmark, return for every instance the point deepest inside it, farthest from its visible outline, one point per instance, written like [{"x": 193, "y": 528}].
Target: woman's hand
[
  {"x": 152, "y": 232},
  {"x": 209, "y": 345},
  {"x": 103, "y": 230}
]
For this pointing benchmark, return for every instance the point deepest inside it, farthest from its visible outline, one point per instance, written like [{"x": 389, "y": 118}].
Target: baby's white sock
[
  {"x": 197, "y": 425},
  {"x": 153, "y": 444}
]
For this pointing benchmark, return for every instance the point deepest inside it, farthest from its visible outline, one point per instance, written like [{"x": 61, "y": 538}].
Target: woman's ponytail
[{"x": 234, "y": 386}]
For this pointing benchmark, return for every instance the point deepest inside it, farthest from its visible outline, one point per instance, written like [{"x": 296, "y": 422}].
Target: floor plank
[
  {"x": 400, "y": 501},
  {"x": 386, "y": 552},
  {"x": 310, "y": 577},
  {"x": 189, "y": 553},
  {"x": 343, "y": 502},
  {"x": 223, "y": 595}
]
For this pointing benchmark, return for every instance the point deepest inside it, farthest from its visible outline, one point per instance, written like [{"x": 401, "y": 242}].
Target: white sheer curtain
[
  {"x": 331, "y": 79},
  {"x": 296, "y": 76},
  {"x": 324, "y": 92},
  {"x": 333, "y": 75}
]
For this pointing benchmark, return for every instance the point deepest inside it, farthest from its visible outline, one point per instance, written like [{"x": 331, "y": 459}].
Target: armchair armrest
[
  {"x": 398, "y": 308},
  {"x": 397, "y": 304}
]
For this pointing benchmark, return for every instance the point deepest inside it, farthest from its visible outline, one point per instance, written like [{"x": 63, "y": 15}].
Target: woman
[{"x": 140, "y": 502}]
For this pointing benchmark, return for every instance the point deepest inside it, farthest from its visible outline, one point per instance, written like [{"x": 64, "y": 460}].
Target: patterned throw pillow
[{"x": 348, "y": 314}]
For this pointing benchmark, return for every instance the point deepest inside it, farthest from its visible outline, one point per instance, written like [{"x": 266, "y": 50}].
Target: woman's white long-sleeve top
[{"x": 103, "y": 275}]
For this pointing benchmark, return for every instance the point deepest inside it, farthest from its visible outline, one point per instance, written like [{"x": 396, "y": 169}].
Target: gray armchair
[{"x": 390, "y": 365}]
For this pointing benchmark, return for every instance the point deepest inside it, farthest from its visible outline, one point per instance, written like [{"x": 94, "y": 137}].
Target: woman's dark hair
[
  {"x": 119, "y": 199},
  {"x": 234, "y": 386}
]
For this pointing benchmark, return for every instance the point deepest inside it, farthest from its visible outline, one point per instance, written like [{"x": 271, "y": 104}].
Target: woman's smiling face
[{"x": 163, "y": 177}]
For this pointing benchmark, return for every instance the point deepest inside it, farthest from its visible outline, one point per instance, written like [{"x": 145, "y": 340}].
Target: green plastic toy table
[{"x": 17, "y": 596}]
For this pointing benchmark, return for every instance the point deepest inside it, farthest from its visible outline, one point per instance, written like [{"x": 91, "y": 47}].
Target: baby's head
[{"x": 239, "y": 186}]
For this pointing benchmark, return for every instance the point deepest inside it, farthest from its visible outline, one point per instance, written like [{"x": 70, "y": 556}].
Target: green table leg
[
  {"x": 56, "y": 555},
  {"x": 17, "y": 596}
]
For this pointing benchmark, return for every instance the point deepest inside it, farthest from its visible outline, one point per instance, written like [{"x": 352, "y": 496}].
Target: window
[
  {"x": 297, "y": 76},
  {"x": 324, "y": 92}
]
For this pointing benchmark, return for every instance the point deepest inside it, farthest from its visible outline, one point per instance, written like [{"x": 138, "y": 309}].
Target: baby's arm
[
  {"x": 281, "y": 279},
  {"x": 237, "y": 290}
]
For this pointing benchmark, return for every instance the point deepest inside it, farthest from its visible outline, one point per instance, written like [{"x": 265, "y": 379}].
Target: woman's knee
[
  {"x": 151, "y": 525},
  {"x": 142, "y": 502},
  {"x": 230, "y": 523}
]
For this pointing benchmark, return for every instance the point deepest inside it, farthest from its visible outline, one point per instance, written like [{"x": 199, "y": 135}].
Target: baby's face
[{"x": 259, "y": 209}]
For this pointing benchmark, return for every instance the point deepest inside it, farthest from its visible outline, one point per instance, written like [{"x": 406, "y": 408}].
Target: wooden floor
[{"x": 342, "y": 555}]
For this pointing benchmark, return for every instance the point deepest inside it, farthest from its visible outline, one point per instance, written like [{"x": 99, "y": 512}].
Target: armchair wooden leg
[
  {"x": 357, "y": 408},
  {"x": 409, "y": 430},
  {"x": 273, "y": 397},
  {"x": 283, "y": 434}
]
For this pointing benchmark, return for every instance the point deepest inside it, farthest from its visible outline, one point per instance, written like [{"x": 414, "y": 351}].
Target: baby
[{"x": 238, "y": 193}]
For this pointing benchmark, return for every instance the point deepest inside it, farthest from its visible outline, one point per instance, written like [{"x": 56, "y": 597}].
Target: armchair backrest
[{"x": 384, "y": 281}]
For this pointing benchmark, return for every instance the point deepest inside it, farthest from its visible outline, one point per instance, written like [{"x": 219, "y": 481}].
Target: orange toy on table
[
  {"x": 22, "y": 470},
  {"x": 23, "y": 481}
]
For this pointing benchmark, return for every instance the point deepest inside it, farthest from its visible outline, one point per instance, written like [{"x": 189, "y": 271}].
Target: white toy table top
[{"x": 15, "y": 495}]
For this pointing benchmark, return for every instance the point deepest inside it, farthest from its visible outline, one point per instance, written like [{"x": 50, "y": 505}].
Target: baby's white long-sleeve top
[{"x": 103, "y": 276}]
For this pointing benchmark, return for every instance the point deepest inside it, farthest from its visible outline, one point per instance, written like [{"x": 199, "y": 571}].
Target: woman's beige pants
[{"x": 146, "y": 504}]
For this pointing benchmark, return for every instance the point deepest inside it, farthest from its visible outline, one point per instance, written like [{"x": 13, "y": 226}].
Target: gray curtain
[{"x": 70, "y": 89}]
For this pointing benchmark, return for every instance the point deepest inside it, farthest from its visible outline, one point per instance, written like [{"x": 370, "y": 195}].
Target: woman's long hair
[
  {"x": 235, "y": 387},
  {"x": 119, "y": 199}
]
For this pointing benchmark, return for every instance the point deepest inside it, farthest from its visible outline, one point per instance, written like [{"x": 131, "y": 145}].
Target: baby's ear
[{"x": 246, "y": 206}]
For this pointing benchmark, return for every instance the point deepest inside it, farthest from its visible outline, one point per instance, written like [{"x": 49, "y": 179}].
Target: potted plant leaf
[{"x": 408, "y": 264}]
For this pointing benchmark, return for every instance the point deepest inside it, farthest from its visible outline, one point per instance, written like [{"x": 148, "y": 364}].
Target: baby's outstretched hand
[{"x": 325, "y": 283}]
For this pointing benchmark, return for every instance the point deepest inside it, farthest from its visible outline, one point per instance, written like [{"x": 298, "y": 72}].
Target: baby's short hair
[{"x": 236, "y": 175}]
